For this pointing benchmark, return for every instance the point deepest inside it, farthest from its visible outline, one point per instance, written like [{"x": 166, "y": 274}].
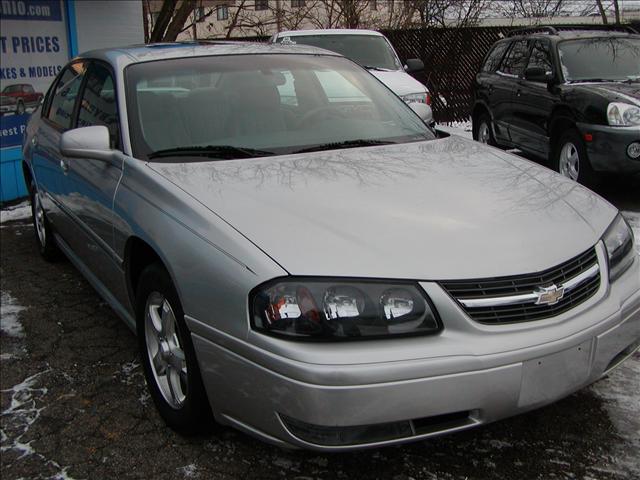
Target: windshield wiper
[
  {"x": 222, "y": 152},
  {"x": 346, "y": 144},
  {"x": 378, "y": 69},
  {"x": 587, "y": 80}
]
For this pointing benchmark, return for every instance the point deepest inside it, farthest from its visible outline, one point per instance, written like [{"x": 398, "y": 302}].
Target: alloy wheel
[
  {"x": 166, "y": 355},
  {"x": 484, "y": 135},
  {"x": 569, "y": 164},
  {"x": 39, "y": 220}
]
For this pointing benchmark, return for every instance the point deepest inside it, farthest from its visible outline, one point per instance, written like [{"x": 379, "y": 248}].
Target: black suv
[{"x": 569, "y": 96}]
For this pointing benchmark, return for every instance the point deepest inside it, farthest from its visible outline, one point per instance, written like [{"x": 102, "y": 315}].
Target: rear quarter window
[{"x": 495, "y": 56}]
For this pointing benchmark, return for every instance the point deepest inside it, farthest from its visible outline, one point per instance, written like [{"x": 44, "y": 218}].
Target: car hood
[
  {"x": 615, "y": 91},
  {"x": 444, "y": 209},
  {"x": 399, "y": 82}
]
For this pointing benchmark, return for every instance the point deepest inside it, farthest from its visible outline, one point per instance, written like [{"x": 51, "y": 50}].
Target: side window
[
  {"x": 287, "y": 90},
  {"x": 516, "y": 60},
  {"x": 338, "y": 89},
  {"x": 27, "y": 89},
  {"x": 98, "y": 104},
  {"x": 64, "y": 95},
  {"x": 493, "y": 59},
  {"x": 541, "y": 56}
]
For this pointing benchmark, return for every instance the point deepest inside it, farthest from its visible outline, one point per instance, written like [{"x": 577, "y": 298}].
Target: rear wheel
[
  {"x": 168, "y": 357},
  {"x": 570, "y": 158},
  {"x": 483, "y": 131},
  {"x": 43, "y": 233},
  {"x": 20, "y": 108}
]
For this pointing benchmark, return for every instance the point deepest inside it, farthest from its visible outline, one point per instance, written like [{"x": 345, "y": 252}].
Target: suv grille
[{"x": 522, "y": 298}]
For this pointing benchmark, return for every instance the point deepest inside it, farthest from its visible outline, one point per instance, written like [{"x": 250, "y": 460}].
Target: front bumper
[
  {"x": 608, "y": 149},
  {"x": 10, "y": 108},
  {"x": 516, "y": 369}
]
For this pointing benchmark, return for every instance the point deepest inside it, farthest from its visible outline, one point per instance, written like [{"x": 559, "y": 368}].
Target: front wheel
[
  {"x": 43, "y": 233},
  {"x": 570, "y": 158},
  {"x": 483, "y": 132},
  {"x": 168, "y": 357},
  {"x": 20, "y": 108}
]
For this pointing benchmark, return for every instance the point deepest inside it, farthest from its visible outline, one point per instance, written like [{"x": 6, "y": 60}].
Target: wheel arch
[
  {"x": 562, "y": 119},
  {"x": 139, "y": 254}
]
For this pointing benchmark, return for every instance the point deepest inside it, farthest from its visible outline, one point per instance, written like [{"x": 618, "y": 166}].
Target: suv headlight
[
  {"x": 618, "y": 240},
  {"x": 339, "y": 309},
  {"x": 422, "y": 97},
  {"x": 623, "y": 114}
]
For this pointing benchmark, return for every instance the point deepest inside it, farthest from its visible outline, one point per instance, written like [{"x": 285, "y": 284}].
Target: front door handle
[{"x": 64, "y": 166}]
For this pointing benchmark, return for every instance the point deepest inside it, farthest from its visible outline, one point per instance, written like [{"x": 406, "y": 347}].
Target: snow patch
[
  {"x": 189, "y": 471},
  {"x": 17, "y": 212},
  {"x": 9, "y": 316}
]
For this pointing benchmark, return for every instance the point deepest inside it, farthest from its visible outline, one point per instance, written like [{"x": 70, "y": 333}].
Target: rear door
[
  {"x": 533, "y": 103},
  {"x": 506, "y": 83},
  {"x": 91, "y": 184}
]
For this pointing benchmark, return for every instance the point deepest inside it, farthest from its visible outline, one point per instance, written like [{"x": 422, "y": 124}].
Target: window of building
[
  {"x": 262, "y": 4},
  {"x": 222, "y": 12},
  {"x": 297, "y": 3},
  {"x": 199, "y": 14}
]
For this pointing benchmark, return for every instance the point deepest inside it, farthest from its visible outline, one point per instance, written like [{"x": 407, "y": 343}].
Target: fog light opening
[{"x": 633, "y": 150}]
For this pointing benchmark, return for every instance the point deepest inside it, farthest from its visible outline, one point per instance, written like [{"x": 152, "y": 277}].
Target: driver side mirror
[
  {"x": 538, "y": 74},
  {"x": 423, "y": 111},
  {"x": 87, "y": 142},
  {"x": 414, "y": 65}
]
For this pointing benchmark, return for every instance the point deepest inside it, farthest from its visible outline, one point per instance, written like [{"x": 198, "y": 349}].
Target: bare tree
[{"x": 532, "y": 8}]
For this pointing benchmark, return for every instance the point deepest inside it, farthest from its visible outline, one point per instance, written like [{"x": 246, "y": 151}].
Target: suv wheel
[
  {"x": 44, "y": 236},
  {"x": 483, "y": 133},
  {"x": 168, "y": 357},
  {"x": 20, "y": 108},
  {"x": 570, "y": 158}
]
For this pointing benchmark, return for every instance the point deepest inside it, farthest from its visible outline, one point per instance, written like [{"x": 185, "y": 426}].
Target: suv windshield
[
  {"x": 370, "y": 51},
  {"x": 612, "y": 58},
  {"x": 240, "y": 106}
]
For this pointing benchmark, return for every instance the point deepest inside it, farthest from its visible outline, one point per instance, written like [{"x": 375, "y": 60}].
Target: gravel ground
[{"x": 74, "y": 404}]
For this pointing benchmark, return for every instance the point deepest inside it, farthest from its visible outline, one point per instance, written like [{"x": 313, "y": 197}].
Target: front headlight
[
  {"x": 618, "y": 240},
  {"x": 623, "y": 114},
  {"x": 422, "y": 97},
  {"x": 338, "y": 309}
]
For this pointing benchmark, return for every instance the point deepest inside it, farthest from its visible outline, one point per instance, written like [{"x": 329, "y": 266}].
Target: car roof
[
  {"x": 164, "y": 51},
  {"x": 567, "y": 33},
  {"x": 329, "y": 31}
]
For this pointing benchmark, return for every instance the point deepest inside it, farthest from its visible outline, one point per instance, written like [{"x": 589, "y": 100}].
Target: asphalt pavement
[{"x": 74, "y": 404}]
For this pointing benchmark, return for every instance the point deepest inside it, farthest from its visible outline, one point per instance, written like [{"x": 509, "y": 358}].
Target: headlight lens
[
  {"x": 422, "y": 97},
  {"x": 623, "y": 114},
  {"x": 619, "y": 241},
  {"x": 335, "y": 309}
]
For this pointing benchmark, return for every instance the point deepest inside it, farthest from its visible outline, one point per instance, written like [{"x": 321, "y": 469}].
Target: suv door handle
[{"x": 64, "y": 166}]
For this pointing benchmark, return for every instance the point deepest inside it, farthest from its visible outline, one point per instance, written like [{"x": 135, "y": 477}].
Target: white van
[{"x": 370, "y": 49}]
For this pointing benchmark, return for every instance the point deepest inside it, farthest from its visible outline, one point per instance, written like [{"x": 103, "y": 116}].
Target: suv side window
[
  {"x": 541, "y": 56},
  {"x": 98, "y": 105},
  {"x": 63, "y": 96},
  {"x": 516, "y": 59},
  {"x": 493, "y": 59}
]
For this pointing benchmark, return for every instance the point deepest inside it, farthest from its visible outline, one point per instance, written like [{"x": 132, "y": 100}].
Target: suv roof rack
[{"x": 555, "y": 29}]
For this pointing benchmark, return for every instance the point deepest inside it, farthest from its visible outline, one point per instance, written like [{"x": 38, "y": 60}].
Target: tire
[
  {"x": 42, "y": 229},
  {"x": 174, "y": 382},
  {"x": 570, "y": 158},
  {"x": 483, "y": 130},
  {"x": 20, "y": 108}
]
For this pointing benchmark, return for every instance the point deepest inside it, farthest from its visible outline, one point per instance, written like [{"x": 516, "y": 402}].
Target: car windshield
[
  {"x": 240, "y": 106},
  {"x": 370, "y": 51},
  {"x": 600, "y": 59}
]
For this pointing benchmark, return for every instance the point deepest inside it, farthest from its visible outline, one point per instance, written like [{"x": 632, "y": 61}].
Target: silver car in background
[{"x": 320, "y": 269}]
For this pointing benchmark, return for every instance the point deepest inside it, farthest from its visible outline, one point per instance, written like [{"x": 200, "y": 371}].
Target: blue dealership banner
[
  {"x": 47, "y": 10},
  {"x": 34, "y": 47}
]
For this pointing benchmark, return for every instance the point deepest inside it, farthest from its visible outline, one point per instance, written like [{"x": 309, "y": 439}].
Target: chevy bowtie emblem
[{"x": 549, "y": 295}]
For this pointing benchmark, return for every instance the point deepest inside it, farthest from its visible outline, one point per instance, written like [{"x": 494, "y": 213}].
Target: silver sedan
[{"x": 304, "y": 259}]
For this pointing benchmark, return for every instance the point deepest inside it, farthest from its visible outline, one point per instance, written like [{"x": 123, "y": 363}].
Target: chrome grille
[{"x": 513, "y": 299}]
